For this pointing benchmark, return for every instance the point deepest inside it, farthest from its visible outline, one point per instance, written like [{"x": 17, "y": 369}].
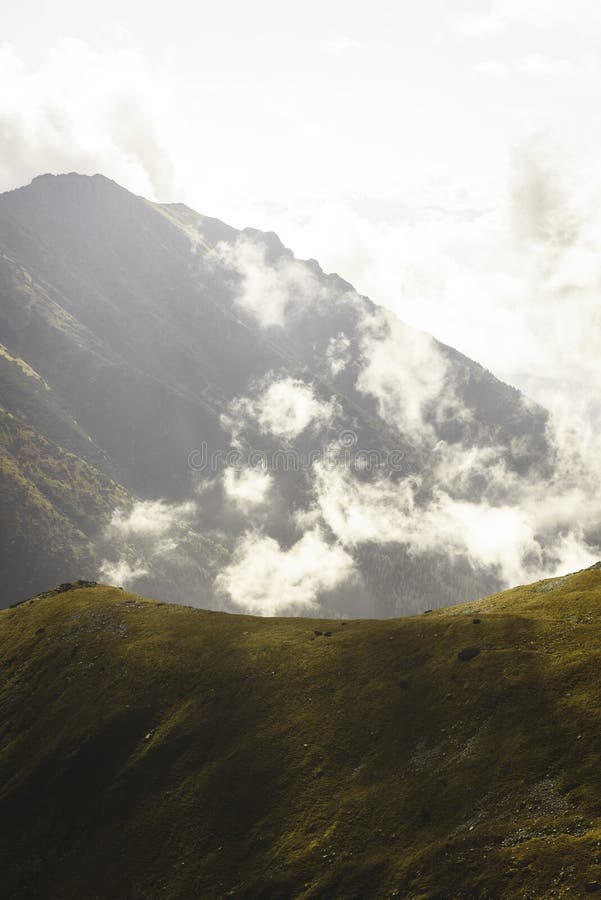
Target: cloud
[
  {"x": 405, "y": 371},
  {"x": 134, "y": 136},
  {"x": 247, "y": 488},
  {"x": 264, "y": 579},
  {"x": 358, "y": 511},
  {"x": 481, "y": 25},
  {"x": 282, "y": 408},
  {"x": 340, "y": 45},
  {"x": 554, "y": 234},
  {"x": 533, "y": 66},
  {"x": 141, "y": 539},
  {"x": 544, "y": 66},
  {"x": 512, "y": 282},
  {"x": 338, "y": 353},
  {"x": 122, "y": 573},
  {"x": 580, "y": 17},
  {"x": 522, "y": 531},
  {"x": 263, "y": 289},
  {"x": 272, "y": 286},
  {"x": 149, "y": 518},
  {"x": 86, "y": 108},
  {"x": 491, "y": 68}
]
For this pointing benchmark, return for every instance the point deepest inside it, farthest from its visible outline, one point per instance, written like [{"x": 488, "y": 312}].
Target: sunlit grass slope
[{"x": 150, "y": 750}]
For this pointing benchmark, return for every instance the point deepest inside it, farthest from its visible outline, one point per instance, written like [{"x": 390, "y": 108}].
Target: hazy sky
[{"x": 442, "y": 156}]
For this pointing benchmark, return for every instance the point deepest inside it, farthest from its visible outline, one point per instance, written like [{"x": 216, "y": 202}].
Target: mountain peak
[
  {"x": 55, "y": 183},
  {"x": 54, "y": 177}
]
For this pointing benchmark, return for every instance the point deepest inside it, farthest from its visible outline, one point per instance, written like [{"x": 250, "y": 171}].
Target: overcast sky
[{"x": 442, "y": 156}]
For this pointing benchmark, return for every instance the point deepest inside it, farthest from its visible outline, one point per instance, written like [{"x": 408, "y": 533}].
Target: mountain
[
  {"x": 151, "y": 356},
  {"x": 154, "y": 750}
]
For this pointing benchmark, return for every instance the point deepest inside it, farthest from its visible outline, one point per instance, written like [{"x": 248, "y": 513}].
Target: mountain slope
[
  {"x": 149, "y": 750},
  {"x": 156, "y": 335},
  {"x": 134, "y": 286},
  {"x": 54, "y": 505}
]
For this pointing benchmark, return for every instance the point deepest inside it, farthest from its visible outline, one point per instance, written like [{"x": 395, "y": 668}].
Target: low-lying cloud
[
  {"x": 264, "y": 579},
  {"x": 247, "y": 488},
  {"x": 338, "y": 353},
  {"x": 122, "y": 573},
  {"x": 266, "y": 290},
  {"x": 520, "y": 528},
  {"x": 270, "y": 284},
  {"x": 407, "y": 374},
  {"x": 141, "y": 537},
  {"x": 281, "y": 407},
  {"x": 149, "y": 518}
]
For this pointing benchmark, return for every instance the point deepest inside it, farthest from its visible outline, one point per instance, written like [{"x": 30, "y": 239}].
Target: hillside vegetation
[{"x": 149, "y": 750}]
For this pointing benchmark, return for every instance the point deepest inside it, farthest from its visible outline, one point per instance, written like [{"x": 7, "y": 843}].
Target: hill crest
[{"x": 151, "y": 749}]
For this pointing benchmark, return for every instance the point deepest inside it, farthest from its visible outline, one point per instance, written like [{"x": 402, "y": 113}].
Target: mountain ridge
[{"x": 304, "y": 758}]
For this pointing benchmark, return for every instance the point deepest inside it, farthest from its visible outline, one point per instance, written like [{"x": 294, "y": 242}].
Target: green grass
[{"x": 150, "y": 750}]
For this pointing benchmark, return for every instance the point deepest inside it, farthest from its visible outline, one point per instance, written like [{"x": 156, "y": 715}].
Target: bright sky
[{"x": 443, "y": 156}]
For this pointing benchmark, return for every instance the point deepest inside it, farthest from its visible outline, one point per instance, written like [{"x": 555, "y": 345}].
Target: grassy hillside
[{"x": 149, "y": 750}]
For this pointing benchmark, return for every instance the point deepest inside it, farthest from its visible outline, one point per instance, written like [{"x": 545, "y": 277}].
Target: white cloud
[
  {"x": 122, "y": 573},
  {"x": 407, "y": 374},
  {"x": 270, "y": 289},
  {"x": 340, "y": 45},
  {"x": 264, "y": 289},
  {"x": 86, "y": 108},
  {"x": 539, "y": 64},
  {"x": 481, "y": 25},
  {"x": 263, "y": 579},
  {"x": 572, "y": 554},
  {"x": 521, "y": 527},
  {"x": 247, "y": 488},
  {"x": 490, "y": 68},
  {"x": 360, "y": 512},
  {"x": 142, "y": 538},
  {"x": 284, "y": 408},
  {"x": 580, "y": 17},
  {"x": 149, "y": 518},
  {"x": 514, "y": 285},
  {"x": 338, "y": 353}
]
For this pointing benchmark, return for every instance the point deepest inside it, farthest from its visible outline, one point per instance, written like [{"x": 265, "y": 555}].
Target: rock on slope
[{"x": 151, "y": 750}]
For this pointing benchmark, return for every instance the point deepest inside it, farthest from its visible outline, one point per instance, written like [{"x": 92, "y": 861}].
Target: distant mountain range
[{"x": 141, "y": 343}]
